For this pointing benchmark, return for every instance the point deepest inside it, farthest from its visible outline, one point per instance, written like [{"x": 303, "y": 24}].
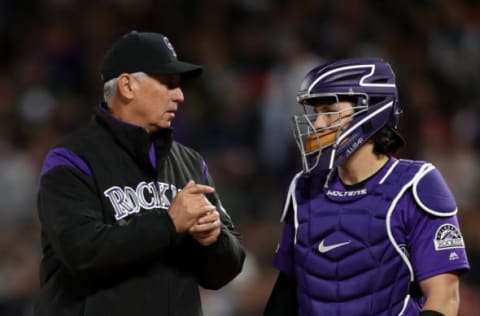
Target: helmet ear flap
[{"x": 367, "y": 127}]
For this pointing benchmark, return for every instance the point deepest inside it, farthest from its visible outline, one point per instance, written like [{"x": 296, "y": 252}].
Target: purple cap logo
[{"x": 170, "y": 46}]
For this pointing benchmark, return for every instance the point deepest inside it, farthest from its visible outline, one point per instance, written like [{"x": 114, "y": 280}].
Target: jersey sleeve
[{"x": 436, "y": 244}]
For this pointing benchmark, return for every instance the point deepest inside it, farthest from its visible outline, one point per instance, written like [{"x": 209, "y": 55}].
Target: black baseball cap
[{"x": 147, "y": 52}]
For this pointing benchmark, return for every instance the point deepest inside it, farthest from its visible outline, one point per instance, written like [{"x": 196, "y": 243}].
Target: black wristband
[{"x": 430, "y": 313}]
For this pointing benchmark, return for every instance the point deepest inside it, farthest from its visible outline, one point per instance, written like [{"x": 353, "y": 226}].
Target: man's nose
[
  {"x": 177, "y": 95},
  {"x": 320, "y": 121}
]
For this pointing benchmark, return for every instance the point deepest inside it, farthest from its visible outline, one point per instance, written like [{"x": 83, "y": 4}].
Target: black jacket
[{"x": 109, "y": 246}]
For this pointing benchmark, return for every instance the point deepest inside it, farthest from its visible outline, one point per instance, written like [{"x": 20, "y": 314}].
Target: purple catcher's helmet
[{"x": 369, "y": 83}]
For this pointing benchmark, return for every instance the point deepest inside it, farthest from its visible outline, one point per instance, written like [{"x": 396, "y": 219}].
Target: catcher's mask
[{"x": 368, "y": 84}]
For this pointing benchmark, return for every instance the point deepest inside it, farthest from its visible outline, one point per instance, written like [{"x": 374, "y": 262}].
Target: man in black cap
[{"x": 131, "y": 223}]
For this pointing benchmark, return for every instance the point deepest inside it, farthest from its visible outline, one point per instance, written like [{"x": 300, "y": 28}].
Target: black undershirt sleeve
[
  {"x": 430, "y": 313},
  {"x": 282, "y": 300}
]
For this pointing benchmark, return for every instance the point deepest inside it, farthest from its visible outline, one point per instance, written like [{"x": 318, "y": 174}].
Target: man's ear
[{"x": 126, "y": 86}]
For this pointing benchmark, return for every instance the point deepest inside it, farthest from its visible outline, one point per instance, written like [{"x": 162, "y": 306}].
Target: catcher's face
[
  {"x": 156, "y": 101},
  {"x": 333, "y": 115},
  {"x": 329, "y": 119}
]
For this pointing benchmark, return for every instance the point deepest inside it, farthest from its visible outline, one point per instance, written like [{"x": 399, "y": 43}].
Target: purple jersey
[{"x": 359, "y": 250}]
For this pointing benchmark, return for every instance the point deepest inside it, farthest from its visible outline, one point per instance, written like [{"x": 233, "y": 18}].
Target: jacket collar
[{"x": 134, "y": 139}]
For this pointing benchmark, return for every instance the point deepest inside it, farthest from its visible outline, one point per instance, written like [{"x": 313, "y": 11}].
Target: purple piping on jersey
[
  {"x": 152, "y": 156},
  {"x": 64, "y": 157},
  {"x": 205, "y": 170}
]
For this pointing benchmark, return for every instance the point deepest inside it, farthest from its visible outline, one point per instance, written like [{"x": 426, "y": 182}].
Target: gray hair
[{"x": 110, "y": 87}]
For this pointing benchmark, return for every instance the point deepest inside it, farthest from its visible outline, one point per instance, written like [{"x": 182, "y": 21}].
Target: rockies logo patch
[{"x": 447, "y": 237}]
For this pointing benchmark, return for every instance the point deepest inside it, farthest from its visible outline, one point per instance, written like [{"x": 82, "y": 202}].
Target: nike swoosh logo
[{"x": 323, "y": 249}]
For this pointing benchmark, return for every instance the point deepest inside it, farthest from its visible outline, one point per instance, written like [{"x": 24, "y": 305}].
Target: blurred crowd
[{"x": 237, "y": 114}]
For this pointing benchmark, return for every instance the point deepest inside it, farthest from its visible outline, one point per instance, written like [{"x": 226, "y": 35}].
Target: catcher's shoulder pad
[{"x": 432, "y": 193}]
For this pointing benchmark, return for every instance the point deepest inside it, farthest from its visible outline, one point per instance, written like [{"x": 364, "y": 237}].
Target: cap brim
[{"x": 184, "y": 69}]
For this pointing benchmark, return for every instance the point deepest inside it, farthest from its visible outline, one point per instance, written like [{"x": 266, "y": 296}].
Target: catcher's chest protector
[{"x": 346, "y": 261}]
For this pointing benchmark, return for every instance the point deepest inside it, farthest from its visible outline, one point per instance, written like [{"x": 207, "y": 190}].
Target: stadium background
[{"x": 237, "y": 114}]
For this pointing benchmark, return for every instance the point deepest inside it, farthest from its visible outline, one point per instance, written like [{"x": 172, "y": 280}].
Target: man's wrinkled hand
[
  {"x": 207, "y": 229},
  {"x": 190, "y": 205}
]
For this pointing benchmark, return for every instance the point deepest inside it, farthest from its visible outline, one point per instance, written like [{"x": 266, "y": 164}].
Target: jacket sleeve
[
  {"x": 222, "y": 261},
  {"x": 73, "y": 225}
]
